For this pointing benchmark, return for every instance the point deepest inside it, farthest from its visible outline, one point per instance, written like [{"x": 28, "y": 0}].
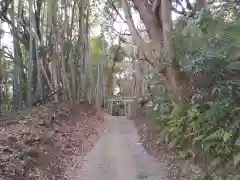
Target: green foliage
[
  {"x": 212, "y": 128},
  {"x": 98, "y": 50},
  {"x": 98, "y": 45}
]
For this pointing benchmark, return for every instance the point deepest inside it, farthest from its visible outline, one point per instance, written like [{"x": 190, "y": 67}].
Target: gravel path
[{"x": 118, "y": 155}]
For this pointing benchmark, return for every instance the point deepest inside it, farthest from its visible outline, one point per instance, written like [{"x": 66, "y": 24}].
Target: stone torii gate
[{"x": 127, "y": 101}]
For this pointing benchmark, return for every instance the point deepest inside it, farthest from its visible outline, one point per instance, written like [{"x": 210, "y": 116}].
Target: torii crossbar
[{"x": 127, "y": 101}]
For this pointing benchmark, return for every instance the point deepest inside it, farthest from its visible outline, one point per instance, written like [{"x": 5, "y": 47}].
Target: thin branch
[
  {"x": 115, "y": 8},
  {"x": 144, "y": 47},
  {"x": 189, "y": 6},
  {"x": 182, "y": 12},
  {"x": 119, "y": 33},
  {"x": 6, "y": 52}
]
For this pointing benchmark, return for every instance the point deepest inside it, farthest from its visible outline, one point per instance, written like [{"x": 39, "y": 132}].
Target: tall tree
[
  {"x": 51, "y": 43},
  {"x": 156, "y": 17}
]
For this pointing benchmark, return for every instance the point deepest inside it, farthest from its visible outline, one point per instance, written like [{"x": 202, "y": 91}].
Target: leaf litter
[{"x": 47, "y": 142}]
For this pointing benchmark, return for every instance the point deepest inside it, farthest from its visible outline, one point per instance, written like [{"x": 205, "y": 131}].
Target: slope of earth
[
  {"x": 47, "y": 142},
  {"x": 178, "y": 169}
]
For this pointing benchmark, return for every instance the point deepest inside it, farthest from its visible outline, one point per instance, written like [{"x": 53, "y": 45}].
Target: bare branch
[
  {"x": 5, "y": 52},
  {"x": 182, "y": 12},
  {"x": 115, "y": 8}
]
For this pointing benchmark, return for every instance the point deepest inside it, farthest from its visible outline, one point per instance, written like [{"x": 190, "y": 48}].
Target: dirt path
[{"x": 118, "y": 155}]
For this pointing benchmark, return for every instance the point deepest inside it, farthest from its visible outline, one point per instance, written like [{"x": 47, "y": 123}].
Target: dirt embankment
[
  {"x": 178, "y": 169},
  {"x": 47, "y": 143}
]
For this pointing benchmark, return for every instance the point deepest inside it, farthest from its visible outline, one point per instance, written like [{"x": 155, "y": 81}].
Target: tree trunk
[
  {"x": 54, "y": 69},
  {"x": 176, "y": 80},
  {"x": 97, "y": 101},
  {"x": 17, "y": 87},
  {"x": 110, "y": 79},
  {"x": 111, "y": 71},
  {"x": 1, "y": 74},
  {"x": 6, "y": 88},
  {"x": 160, "y": 53},
  {"x": 200, "y": 4},
  {"x": 30, "y": 60},
  {"x": 1, "y": 82},
  {"x": 87, "y": 60}
]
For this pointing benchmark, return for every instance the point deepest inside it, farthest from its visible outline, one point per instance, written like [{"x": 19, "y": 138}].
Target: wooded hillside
[{"x": 179, "y": 58}]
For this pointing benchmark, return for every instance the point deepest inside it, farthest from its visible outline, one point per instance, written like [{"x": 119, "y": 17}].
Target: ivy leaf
[
  {"x": 198, "y": 138},
  {"x": 236, "y": 160},
  {"x": 214, "y": 136},
  {"x": 183, "y": 154},
  {"x": 206, "y": 147},
  {"x": 237, "y": 143},
  {"x": 227, "y": 136},
  {"x": 173, "y": 143},
  {"x": 172, "y": 129},
  {"x": 161, "y": 136}
]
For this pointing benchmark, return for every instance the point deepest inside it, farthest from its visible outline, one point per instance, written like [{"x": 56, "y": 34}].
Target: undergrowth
[{"x": 207, "y": 130}]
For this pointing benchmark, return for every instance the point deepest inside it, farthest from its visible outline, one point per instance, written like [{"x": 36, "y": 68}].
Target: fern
[{"x": 206, "y": 45}]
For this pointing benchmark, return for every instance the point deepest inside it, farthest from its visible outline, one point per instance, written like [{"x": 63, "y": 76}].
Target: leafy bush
[{"x": 212, "y": 128}]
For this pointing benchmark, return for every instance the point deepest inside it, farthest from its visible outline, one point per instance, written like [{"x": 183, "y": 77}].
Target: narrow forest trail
[{"x": 118, "y": 155}]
